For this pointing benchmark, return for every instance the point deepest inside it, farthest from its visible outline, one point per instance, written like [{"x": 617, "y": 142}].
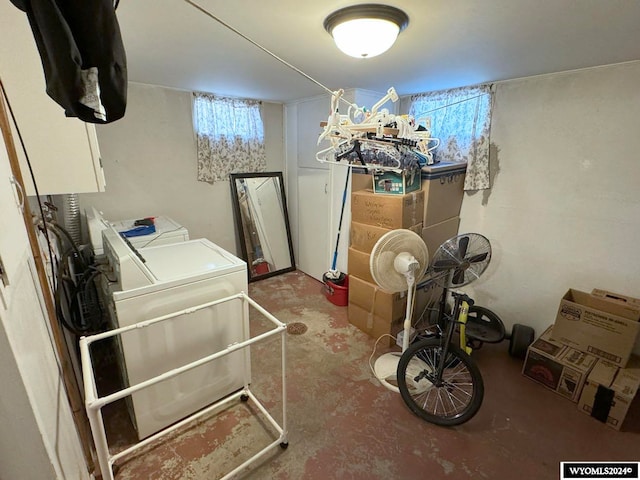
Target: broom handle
[{"x": 344, "y": 200}]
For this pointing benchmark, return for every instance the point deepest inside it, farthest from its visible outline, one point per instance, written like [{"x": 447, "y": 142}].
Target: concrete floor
[{"x": 343, "y": 425}]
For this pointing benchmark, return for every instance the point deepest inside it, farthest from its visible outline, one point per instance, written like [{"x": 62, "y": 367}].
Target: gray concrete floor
[{"x": 343, "y": 425}]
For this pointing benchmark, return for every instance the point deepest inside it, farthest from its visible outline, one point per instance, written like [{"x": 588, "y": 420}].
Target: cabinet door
[
  {"x": 310, "y": 113},
  {"x": 63, "y": 151},
  {"x": 313, "y": 222}
]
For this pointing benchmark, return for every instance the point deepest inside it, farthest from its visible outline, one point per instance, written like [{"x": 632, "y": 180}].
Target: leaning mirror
[{"x": 262, "y": 223}]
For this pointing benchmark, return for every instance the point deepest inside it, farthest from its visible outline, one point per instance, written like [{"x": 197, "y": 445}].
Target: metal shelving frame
[{"x": 94, "y": 403}]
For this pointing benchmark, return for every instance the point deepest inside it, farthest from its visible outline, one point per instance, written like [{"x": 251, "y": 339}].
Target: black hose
[
  {"x": 75, "y": 292},
  {"x": 72, "y": 243}
]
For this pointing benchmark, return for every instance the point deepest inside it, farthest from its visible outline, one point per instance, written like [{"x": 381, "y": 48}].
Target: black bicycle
[{"x": 438, "y": 380}]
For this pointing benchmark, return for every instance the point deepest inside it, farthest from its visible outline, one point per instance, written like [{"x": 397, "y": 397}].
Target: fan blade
[
  {"x": 481, "y": 257},
  {"x": 442, "y": 265},
  {"x": 458, "y": 277},
  {"x": 462, "y": 246}
]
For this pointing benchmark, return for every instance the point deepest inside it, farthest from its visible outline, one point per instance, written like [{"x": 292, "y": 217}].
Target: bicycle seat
[{"x": 463, "y": 297}]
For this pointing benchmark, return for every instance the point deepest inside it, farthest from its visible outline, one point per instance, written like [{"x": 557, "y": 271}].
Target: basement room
[{"x": 332, "y": 240}]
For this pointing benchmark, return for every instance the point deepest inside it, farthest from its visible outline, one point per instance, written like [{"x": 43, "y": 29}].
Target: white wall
[
  {"x": 564, "y": 209},
  {"x": 149, "y": 159}
]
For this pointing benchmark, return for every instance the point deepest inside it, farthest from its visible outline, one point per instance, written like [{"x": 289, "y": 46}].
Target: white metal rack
[{"x": 94, "y": 403}]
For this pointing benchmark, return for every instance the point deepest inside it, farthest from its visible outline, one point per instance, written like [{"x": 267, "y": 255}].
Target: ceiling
[{"x": 448, "y": 43}]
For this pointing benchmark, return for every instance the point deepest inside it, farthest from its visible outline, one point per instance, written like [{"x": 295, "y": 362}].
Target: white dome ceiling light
[{"x": 364, "y": 31}]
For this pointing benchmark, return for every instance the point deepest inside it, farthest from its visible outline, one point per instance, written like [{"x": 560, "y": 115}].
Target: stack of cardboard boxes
[
  {"x": 371, "y": 309},
  {"x": 586, "y": 355},
  {"x": 431, "y": 211}
]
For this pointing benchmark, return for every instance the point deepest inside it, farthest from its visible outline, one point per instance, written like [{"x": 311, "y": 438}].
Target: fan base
[{"x": 385, "y": 369}]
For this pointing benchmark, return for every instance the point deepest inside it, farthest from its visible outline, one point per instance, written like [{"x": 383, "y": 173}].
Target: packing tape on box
[
  {"x": 416, "y": 216},
  {"x": 372, "y": 312},
  {"x": 369, "y": 320}
]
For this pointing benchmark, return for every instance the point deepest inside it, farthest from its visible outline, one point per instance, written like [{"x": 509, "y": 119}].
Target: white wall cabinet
[{"x": 63, "y": 151}]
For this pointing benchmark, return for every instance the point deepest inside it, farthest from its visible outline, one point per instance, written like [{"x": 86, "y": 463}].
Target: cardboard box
[
  {"x": 597, "y": 325},
  {"x": 609, "y": 391},
  {"x": 628, "y": 304},
  {"x": 373, "y": 325},
  {"x": 558, "y": 367},
  {"x": 358, "y": 265},
  {"x": 363, "y": 237},
  {"x": 391, "y": 306},
  {"x": 361, "y": 181},
  {"x": 436, "y": 235},
  {"x": 392, "y": 183},
  {"x": 387, "y": 211},
  {"x": 443, "y": 190}
]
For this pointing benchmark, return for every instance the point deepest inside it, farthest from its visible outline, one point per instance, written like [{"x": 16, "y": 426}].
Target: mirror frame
[{"x": 239, "y": 224}]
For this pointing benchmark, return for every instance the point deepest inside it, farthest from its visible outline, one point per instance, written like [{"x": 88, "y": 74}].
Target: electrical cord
[
  {"x": 375, "y": 347},
  {"x": 160, "y": 235}
]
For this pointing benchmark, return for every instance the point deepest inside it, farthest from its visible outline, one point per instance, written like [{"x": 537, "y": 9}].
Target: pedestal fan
[
  {"x": 461, "y": 260},
  {"x": 398, "y": 260}
]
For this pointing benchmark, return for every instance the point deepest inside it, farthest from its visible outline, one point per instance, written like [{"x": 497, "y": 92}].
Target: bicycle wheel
[
  {"x": 454, "y": 400},
  {"x": 484, "y": 325}
]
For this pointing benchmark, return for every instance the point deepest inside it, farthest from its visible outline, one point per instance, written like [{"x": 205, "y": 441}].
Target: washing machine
[
  {"x": 166, "y": 231},
  {"x": 158, "y": 280}
]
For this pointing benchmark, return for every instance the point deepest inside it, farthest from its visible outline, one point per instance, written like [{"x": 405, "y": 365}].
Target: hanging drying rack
[{"x": 375, "y": 131}]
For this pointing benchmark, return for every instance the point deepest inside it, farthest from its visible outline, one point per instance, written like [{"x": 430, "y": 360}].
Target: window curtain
[
  {"x": 461, "y": 119},
  {"x": 229, "y": 135}
]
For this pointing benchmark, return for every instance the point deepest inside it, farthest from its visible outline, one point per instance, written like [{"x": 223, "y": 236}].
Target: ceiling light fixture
[{"x": 364, "y": 31}]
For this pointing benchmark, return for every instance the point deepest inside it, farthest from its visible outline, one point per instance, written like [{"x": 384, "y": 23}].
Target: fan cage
[
  {"x": 460, "y": 260},
  {"x": 383, "y": 255}
]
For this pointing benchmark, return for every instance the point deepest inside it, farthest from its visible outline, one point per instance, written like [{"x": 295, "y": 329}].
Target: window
[
  {"x": 230, "y": 136},
  {"x": 461, "y": 119}
]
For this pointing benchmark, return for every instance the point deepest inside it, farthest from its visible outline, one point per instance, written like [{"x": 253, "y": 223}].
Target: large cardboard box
[
  {"x": 373, "y": 325},
  {"x": 392, "y": 183},
  {"x": 372, "y": 298},
  {"x": 609, "y": 391},
  {"x": 436, "y": 235},
  {"x": 358, "y": 265},
  {"x": 443, "y": 189},
  {"x": 558, "y": 367},
  {"x": 597, "y": 325},
  {"x": 387, "y": 211},
  {"x": 363, "y": 236}
]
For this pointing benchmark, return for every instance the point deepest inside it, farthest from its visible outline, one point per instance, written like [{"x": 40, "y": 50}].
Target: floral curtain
[
  {"x": 230, "y": 136},
  {"x": 461, "y": 119}
]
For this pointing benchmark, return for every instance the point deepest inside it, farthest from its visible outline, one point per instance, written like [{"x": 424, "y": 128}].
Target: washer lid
[{"x": 188, "y": 259}]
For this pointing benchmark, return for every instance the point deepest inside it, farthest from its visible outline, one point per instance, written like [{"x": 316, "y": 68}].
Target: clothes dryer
[{"x": 160, "y": 280}]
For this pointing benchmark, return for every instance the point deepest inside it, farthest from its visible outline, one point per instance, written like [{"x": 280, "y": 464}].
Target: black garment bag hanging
[{"x": 82, "y": 55}]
